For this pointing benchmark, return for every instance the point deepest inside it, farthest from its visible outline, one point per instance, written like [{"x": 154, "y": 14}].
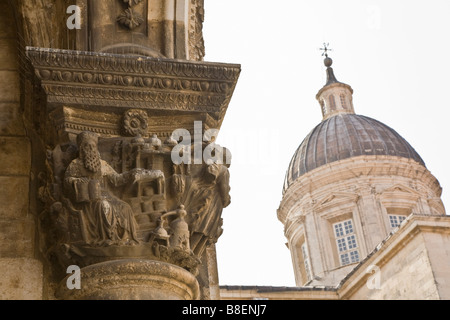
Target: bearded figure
[{"x": 105, "y": 219}]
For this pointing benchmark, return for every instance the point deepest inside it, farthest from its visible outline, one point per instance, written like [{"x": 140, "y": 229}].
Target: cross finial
[{"x": 325, "y": 49}]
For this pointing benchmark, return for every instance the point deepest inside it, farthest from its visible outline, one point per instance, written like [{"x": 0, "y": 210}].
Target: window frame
[
  {"x": 399, "y": 219},
  {"x": 346, "y": 242},
  {"x": 343, "y": 101}
]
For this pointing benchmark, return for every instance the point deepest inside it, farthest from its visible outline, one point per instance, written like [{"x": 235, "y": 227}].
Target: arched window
[
  {"x": 332, "y": 103},
  {"x": 343, "y": 102}
]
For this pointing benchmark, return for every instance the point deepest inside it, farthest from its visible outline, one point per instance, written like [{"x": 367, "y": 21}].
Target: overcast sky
[{"x": 392, "y": 53}]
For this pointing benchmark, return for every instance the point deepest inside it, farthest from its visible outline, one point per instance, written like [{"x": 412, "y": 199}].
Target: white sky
[{"x": 393, "y": 54}]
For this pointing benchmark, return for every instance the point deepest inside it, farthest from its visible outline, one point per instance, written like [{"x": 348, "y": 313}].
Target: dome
[{"x": 343, "y": 136}]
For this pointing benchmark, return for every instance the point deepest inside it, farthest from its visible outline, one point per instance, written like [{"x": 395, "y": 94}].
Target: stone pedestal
[{"x": 132, "y": 279}]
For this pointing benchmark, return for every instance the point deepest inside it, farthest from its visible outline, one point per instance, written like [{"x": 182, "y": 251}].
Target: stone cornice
[
  {"x": 351, "y": 168},
  {"x": 334, "y": 85},
  {"x": 122, "y": 81}
]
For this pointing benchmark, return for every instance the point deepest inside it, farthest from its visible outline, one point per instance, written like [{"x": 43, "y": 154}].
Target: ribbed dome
[{"x": 345, "y": 136}]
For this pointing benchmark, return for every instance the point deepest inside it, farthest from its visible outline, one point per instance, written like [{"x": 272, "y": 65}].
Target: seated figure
[{"x": 105, "y": 219}]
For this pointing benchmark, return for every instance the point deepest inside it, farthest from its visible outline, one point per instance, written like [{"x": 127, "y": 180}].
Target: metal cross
[{"x": 325, "y": 49}]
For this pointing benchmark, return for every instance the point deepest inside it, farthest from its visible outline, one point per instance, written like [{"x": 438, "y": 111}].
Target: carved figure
[
  {"x": 104, "y": 218},
  {"x": 205, "y": 197},
  {"x": 179, "y": 230}
]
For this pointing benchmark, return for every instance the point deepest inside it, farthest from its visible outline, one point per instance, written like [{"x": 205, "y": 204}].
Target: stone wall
[
  {"x": 437, "y": 245},
  {"x": 21, "y": 272},
  {"x": 412, "y": 264},
  {"x": 397, "y": 274}
]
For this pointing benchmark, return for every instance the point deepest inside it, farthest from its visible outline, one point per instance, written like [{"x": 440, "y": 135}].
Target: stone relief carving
[
  {"x": 113, "y": 82},
  {"x": 107, "y": 199},
  {"x": 129, "y": 17},
  {"x": 196, "y": 42},
  {"x": 206, "y": 194},
  {"x": 83, "y": 62},
  {"x": 135, "y": 122},
  {"x": 85, "y": 91},
  {"x": 105, "y": 219}
]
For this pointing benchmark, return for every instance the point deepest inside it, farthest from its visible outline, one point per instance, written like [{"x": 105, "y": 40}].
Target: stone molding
[
  {"x": 119, "y": 81},
  {"x": 364, "y": 166},
  {"x": 132, "y": 279}
]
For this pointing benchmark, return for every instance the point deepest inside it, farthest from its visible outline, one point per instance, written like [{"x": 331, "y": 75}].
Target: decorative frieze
[{"x": 117, "y": 81}]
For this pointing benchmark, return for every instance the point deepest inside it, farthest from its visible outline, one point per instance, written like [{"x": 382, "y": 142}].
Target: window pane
[
  {"x": 338, "y": 230},
  {"x": 342, "y": 246},
  {"x": 348, "y": 227},
  {"x": 396, "y": 220},
  {"x": 346, "y": 242},
  {"x": 354, "y": 256},
  {"x": 351, "y": 241},
  {"x": 393, "y": 221},
  {"x": 345, "y": 259}
]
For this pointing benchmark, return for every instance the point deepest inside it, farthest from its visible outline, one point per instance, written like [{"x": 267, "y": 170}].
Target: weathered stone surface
[
  {"x": 134, "y": 83},
  {"x": 14, "y": 197},
  {"x": 22, "y": 279},
  {"x": 9, "y": 56},
  {"x": 9, "y": 86},
  {"x": 11, "y": 122},
  {"x": 437, "y": 245},
  {"x": 406, "y": 265},
  {"x": 7, "y": 21},
  {"x": 160, "y": 86},
  {"x": 17, "y": 238},
  {"x": 42, "y": 22},
  {"x": 132, "y": 279},
  {"x": 15, "y": 156}
]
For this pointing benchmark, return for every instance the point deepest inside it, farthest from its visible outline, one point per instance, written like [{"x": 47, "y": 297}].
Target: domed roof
[{"x": 343, "y": 136}]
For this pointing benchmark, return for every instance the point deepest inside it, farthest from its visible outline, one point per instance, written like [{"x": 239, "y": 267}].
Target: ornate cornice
[
  {"x": 355, "y": 168},
  {"x": 123, "y": 81}
]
